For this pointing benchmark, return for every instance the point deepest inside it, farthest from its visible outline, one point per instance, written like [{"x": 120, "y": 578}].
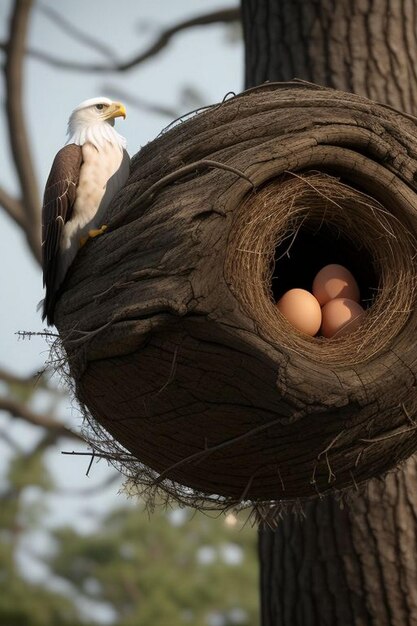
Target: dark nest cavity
[{"x": 291, "y": 228}]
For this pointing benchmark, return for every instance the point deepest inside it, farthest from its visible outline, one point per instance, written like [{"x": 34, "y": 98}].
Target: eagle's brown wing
[{"x": 58, "y": 202}]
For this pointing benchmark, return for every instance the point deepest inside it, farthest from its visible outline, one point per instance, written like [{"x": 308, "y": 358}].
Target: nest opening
[
  {"x": 293, "y": 226},
  {"x": 316, "y": 244}
]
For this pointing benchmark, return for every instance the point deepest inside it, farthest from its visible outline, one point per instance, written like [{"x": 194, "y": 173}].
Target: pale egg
[
  {"x": 302, "y": 310},
  {"x": 335, "y": 281},
  {"x": 341, "y": 316}
]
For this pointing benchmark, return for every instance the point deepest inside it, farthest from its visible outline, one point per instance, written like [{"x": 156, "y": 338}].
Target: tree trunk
[
  {"x": 345, "y": 565},
  {"x": 367, "y": 47},
  {"x": 352, "y": 564}
]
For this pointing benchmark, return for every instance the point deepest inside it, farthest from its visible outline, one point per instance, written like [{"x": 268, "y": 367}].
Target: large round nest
[{"x": 191, "y": 380}]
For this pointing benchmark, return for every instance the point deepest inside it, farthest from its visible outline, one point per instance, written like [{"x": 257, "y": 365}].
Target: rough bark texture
[
  {"x": 347, "y": 565},
  {"x": 354, "y": 565},
  {"x": 366, "y": 47}
]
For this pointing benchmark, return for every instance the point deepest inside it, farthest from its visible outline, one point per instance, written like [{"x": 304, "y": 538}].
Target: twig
[
  {"x": 18, "y": 137},
  {"x": 195, "y": 167},
  {"x": 331, "y": 476},
  {"x": 138, "y": 102},
  {"x": 28, "y": 334},
  {"x": 248, "y": 485},
  {"x": 223, "y": 16},
  {"x": 330, "y": 445},
  {"x": 407, "y": 414},
  {"x": 354, "y": 480},
  {"x": 224, "y": 444},
  {"x": 86, "y": 335},
  {"x": 13, "y": 208},
  {"x": 192, "y": 168},
  {"x": 171, "y": 373},
  {"x": 185, "y": 116},
  {"x": 76, "y": 33},
  {"x": 397, "y": 433},
  {"x": 91, "y": 463},
  {"x": 280, "y": 478},
  {"x": 98, "y": 455}
]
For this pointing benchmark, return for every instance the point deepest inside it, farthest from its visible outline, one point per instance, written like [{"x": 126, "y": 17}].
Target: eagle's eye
[{"x": 99, "y": 106}]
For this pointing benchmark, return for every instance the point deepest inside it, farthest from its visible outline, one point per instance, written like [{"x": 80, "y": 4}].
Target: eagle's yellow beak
[{"x": 116, "y": 109}]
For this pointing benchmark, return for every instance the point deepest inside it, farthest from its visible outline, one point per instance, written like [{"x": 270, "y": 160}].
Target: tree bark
[
  {"x": 345, "y": 565},
  {"x": 367, "y": 47},
  {"x": 352, "y": 564}
]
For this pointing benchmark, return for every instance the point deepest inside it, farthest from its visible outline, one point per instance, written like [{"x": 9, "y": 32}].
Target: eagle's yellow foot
[{"x": 95, "y": 232}]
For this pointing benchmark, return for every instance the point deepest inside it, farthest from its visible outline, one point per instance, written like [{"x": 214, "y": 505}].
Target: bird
[{"x": 85, "y": 175}]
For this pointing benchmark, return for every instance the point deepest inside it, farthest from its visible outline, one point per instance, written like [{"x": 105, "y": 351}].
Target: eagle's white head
[{"x": 93, "y": 121}]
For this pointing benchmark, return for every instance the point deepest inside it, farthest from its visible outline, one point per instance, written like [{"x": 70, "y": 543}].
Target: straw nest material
[
  {"x": 192, "y": 382},
  {"x": 292, "y": 228}
]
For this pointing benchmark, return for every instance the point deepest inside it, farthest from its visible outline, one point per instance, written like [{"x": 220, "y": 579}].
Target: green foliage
[
  {"x": 171, "y": 568},
  {"x": 21, "y": 391},
  {"x": 156, "y": 573},
  {"x": 24, "y": 604},
  {"x": 29, "y": 469}
]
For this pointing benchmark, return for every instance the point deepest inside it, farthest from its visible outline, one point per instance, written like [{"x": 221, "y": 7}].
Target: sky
[{"x": 206, "y": 59}]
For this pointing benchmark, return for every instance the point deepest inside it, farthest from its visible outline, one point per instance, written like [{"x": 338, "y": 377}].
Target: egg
[
  {"x": 335, "y": 281},
  {"x": 341, "y": 316},
  {"x": 302, "y": 310}
]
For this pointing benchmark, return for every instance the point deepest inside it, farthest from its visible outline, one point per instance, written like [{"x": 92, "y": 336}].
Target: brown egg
[
  {"x": 302, "y": 310},
  {"x": 335, "y": 281},
  {"x": 341, "y": 316}
]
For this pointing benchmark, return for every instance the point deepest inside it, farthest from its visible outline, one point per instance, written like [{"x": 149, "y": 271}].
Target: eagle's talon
[{"x": 95, "y": 232}]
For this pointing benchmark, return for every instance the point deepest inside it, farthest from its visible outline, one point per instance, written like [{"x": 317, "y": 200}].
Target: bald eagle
[{"x": 85, "y": 175}]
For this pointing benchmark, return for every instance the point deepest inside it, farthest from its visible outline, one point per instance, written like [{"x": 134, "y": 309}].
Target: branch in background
[
  {"x": 38, "y": 380},
  {"x": 138, "y": 103},
  {"x": 224, "y": 17},
  {"x": 18, "y": 138},
  {"x": 192, "y": 98},
  {"x": 13, "y": 208},
  {"x": 20, "y": 410},
  {"x": 189, "y": 99},
  {"x": 76, "y": 33},
  {"x": 15, "y": 379}
]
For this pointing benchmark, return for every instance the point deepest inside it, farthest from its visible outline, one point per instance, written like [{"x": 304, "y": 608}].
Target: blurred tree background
[{"x": 123, "y": 565}]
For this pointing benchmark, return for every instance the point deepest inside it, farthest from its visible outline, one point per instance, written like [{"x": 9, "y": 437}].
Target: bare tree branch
[
  {"x": 13, "y": 208},
  {"x": 138, "y": 102},
  {"x": 223, "y": 16},
  {"x": 37, "y": 380},
  {"x": 18, "y": 138},
  {"x": 15, "y": 379},
  {"x": 20, "y": 410},
  {"x": 77, "y": 34}
]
